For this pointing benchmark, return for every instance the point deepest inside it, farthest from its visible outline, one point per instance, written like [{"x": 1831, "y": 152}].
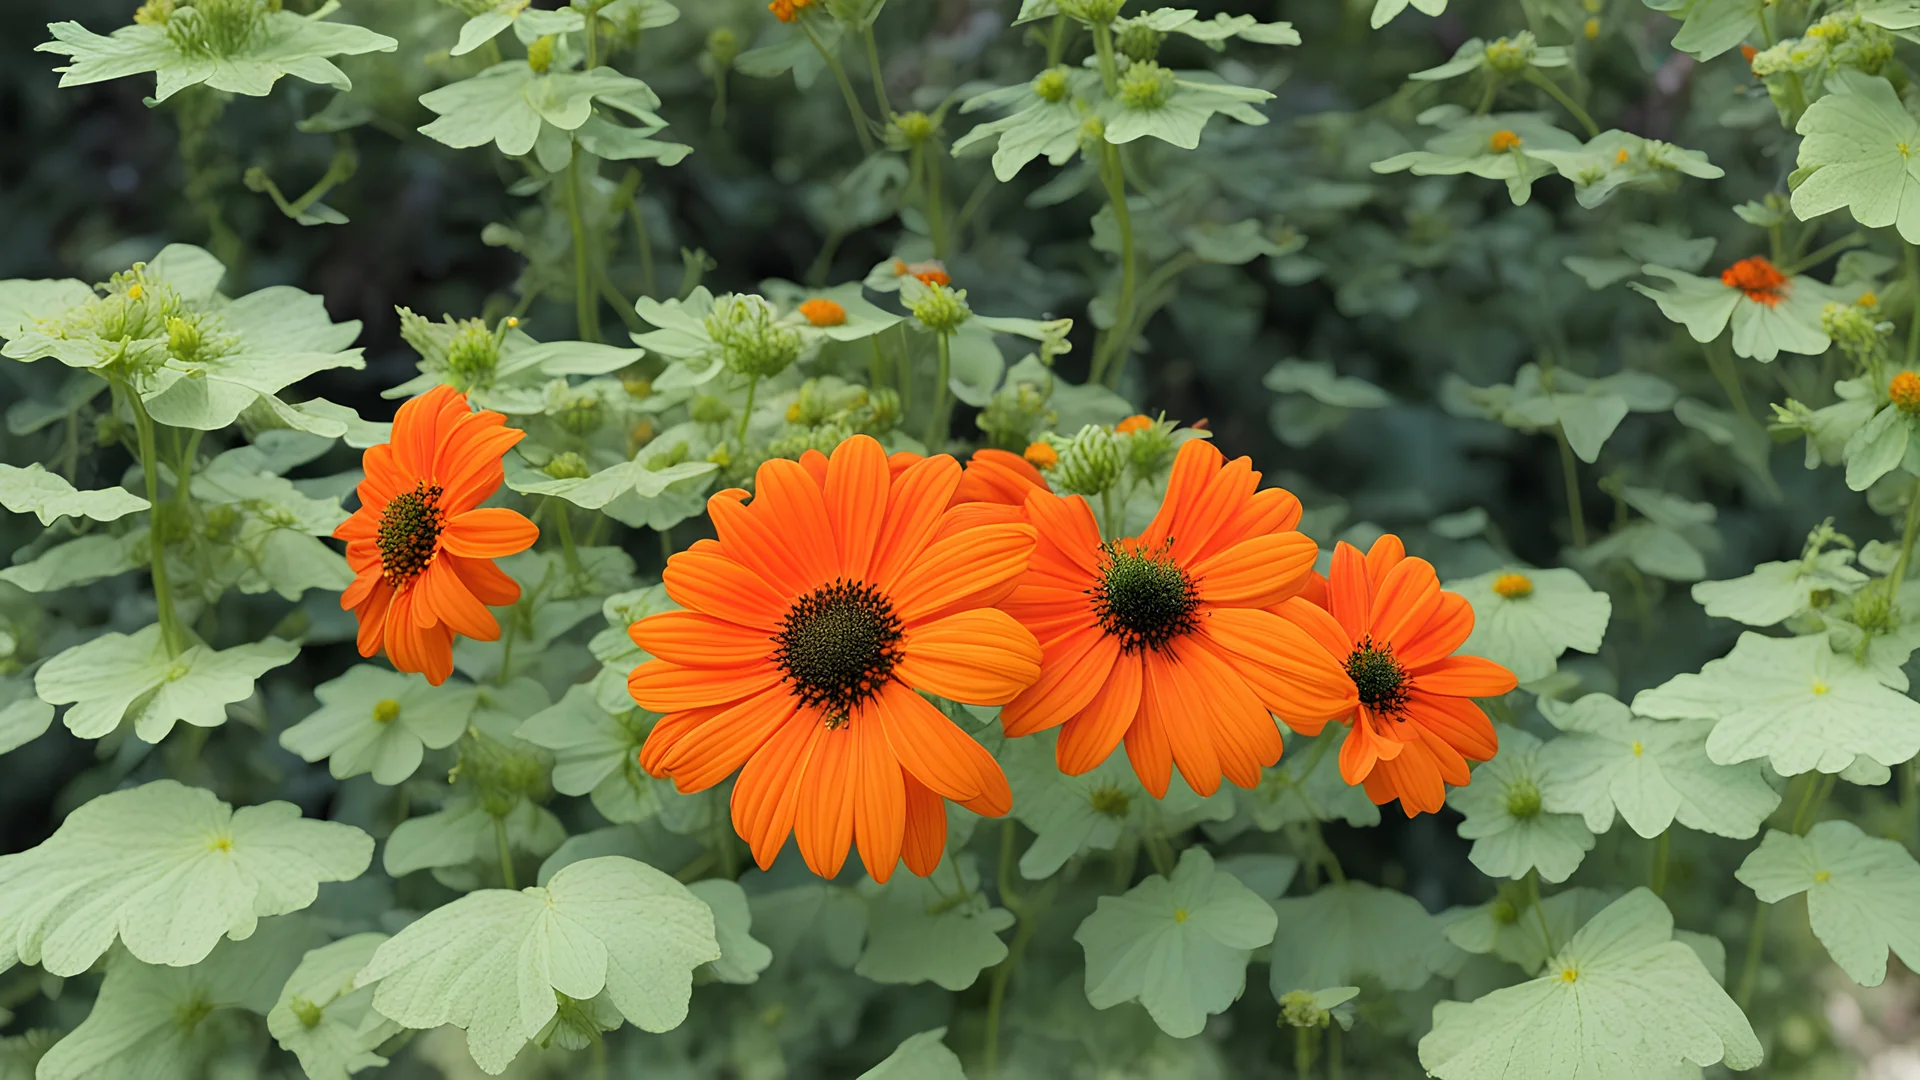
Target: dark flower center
[
  {"x": 1379, "y": 678},
  {"x": 1144, "y": 598},
  {"x": 838, "y": 647},
  {"x": 410, "y": 532}
]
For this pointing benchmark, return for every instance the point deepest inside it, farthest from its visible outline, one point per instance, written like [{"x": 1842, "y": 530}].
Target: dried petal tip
[
  {"x": 1757, "y": 278},
  {"x": 1513, "y": 586}
]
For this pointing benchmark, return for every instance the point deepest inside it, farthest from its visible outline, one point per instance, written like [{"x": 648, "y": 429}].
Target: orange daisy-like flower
[
  {"x": 826, "y": 602},
  {"x": 1163, "y": 640},
  {"x": 1760, "y": 280},
  {"x": 788, "y": 10},
  {"x": 420, "y": 546},
  {"x": 1414, "y": 727}
]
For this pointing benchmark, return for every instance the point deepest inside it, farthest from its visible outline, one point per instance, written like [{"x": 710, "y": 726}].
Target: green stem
[
  {"x": 1756, "y": 946},
  {"x": 649, "y": 282},
  {"x": 1492, "y": 82},
  {"x": 1539, "y": 911},
  {"x": 506, "y": 852},
  {"x": 873, "y": 68},
  {"x": 1103, "y": 48},
  {"x": 1110, "y": 356},
  {"x": 1907, "y": 535},
  {"x": 1335, "y": 1070},
  {"x": 1057, "y": 39},
  {"x": 1912, "y": 258},
  {"x": 1720, "y": 362},
  {"x": 862, "y": 127},
  {"x": 558, "y": 512},
  {"x": 1657, "y": 880},
  {"x": 942, "y": 419},
  {"x": 936, "y": 216},
  {"x": 1003, "y": 975},
  {"x": 717, "y": 118},
  {"x": 1570, "y": 472},
  {"x": 1817, "y": 793},
  {"x": 143, "y": 424},
  {"x": 1909, "y": 803},
  {"x": 1111, "y": 527},
  {"x": 906, "y": 370},
  {"x": 877, "y": 367},
  {"x": 584, "y": 308},
  {"x": 746, "y": 414},
  {"x": 1304, "y": 1044},
  {"x": 1533, "y": 76},
  {"x": 1851, "y": 240}
]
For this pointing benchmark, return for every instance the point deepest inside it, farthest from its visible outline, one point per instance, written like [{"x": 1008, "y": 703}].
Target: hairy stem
[{"x": 170, "y": 634}]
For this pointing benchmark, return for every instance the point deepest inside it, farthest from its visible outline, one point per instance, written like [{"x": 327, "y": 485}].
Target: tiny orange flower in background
[
  {"x": 1747, "y": 53},
  {"x": 1503, "y": 141},
  {"x": 823, "y": 312},
  {"x": 788, "y": 10},
  {"x": 829, "y": 598},
  {"x": 1041, "y": 455},
  {"x": 1414, "y": 727},
  {"x": 1132, "y": 424},
  {"x": 420, "y": 547},
  {"x": 1759, "y": 279},
  {"x": 1904, "y": 392},
  {"x": 1161, "y": 640}
]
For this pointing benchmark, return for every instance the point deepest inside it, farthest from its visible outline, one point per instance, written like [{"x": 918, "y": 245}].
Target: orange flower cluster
[
  {"x": 847, "y": 587},
  {"x": 788, "y": 10},
  {"x": 1760, "y": 280}
]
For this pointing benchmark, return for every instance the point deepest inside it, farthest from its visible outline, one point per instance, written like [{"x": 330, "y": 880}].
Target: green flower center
[
  {"x": 1110, "y": 801},
  {"x": 1147, "y": 85},
  {"x": 409, "y": 534},
  {"x": 1144, "y": 598},
  {"x": 1379, "y": 678},
  {"x": 216, "y": 29},
  {"x": 1523, "y": 799},
  {"x": 838, "y": 646}
]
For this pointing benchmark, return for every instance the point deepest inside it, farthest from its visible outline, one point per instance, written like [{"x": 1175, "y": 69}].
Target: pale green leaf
[
  {"x": 372, "y": 720},
  {"x": 1508, "y": 926},
  {"x": 1511, "y": 833},
  {"x": 493, "y": 961},
  {"x": 596, "y": 752},
  {"x": 1529, "y": 630},
  {"x": 1711, "y": 27},
  {"x": 1863, "y": 893},
  {"x": 1794, "y": 702},
  {"x": 919, "y": 1057},
  {"x": 1385, "y": 10},
  {"x": 119, "y": 676},
  {"x": 23, "y": 717},
  {"x": 923, "y": 930},
  {"x": 1179, "y": 945},
  {"x": 1777, "y": 591},
  {"x": 1304, "y": 786},
  {"x": 49, "y": 497},
  {"x": 324, "y": 1020},
  {"x": 169, "y": 870},
  {"x": 78, "y": 562},
  {"x": 1093, "y": 811},
  {"x": 1857, "y": 152},
  {"x": 461, "y": 832},
  {"x": 284, "y": 44},
  {"x": 1351, "y": 931},
  {"x": 1653, "y": 772},
  {"x": 742, "y": 958}
]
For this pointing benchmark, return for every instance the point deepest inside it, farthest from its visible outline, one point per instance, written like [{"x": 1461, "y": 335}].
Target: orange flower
[
  {"x": 1413, "y": 727},
  {"x": 1904, "y": 392},
  {"x": 821, "y": 311},
  {"x": 788, "y": 10},
  {"x": 997, "y": 476},
  {"x": 1759, "y": 279},
  {"x": 1041, "y": 455},
  {"x": 1747, "y": 53},
  {"x": 1503, "y": 141},
  {"x": 421, "y": 551},
  {"x": 825, "y": 603},
  {"x": 1162, "y": 639},
  {"x": 1132, "y": 424},
  {"x": 931, "y": 272}
]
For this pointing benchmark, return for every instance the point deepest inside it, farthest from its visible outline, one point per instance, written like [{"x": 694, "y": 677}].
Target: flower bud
[
  {"x": 567, "y": 466},
  {"x": 751, "y": 341},
  {"x": 941, "y": 309},
  {"x": 1090, "y": 462}
]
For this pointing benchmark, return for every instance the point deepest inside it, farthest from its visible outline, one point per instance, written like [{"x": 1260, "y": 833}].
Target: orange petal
[
  {"x": 1258, "y": 572},
  {"x": 856, "y": 499},
  {"x": 385, "y": 478},
  {"x": 998, "y": 476},
  {"x": 373, "y": 618},
  {"x": 880, "y": 799},
  {"x": 452, "y": 603},
  {"x": 405, "y": 650},
  {"x": 924, "y": 837},
  {"x": 1350, "y": 591},
  {"x": 981, "y": 657},
  {"x": 788, "y": 501},
  {"x": 1245, "y": 738},
  {"x": 1384, "y": 555},
  {"x": 362, "y": 525},
  {"x": 667, "y": 733},
  {"x": 362, "y": 587},
  {"x": 1403, "y": 600},
  {"x": 662, "y": 687},
  {"x": 1175, "y": 699},
  {"x": 1319, "y": 623},
  {"x": 823, "y": 820},
  {"x": 1268, "y": 511},
  {"x": 918, "y": 497},
  {"x": 816, "y": 465},
  {"x": 1194, "y": 467},
  {"x": 704, "y": 578},
  {"x": 1359, "y": 751},
  {"x": 1464, "y": 676},
  {"x": 1446, "y": 628},
  {"x": 1413, "y": 778},
  {"x": 1073, "y": 668},
  {"x": 416, "y": 429},
  {"x": 693, "y": 640},
  {"x": 1148, "y": 746},
  {"x": 470, "y": 459},
  {"x": 1200, "y": 514},
  {"x": 488, "y": 583},
  {"x": 960, "y": 566},
  {"x": 488, "y": 533},
  {"x": 768, "y": 791},
  {"x": 1088, "y": 737},
  {"x": 1289, "y": 669},
  {"x": 1456, "y": 721},
  {"x": 1067, "y": 528},
  {"x": 939, "y": 754},
  {"x": 756, "y": 542}
]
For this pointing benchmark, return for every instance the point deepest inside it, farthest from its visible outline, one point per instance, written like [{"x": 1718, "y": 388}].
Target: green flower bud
[
  {"x": 581, "y": 415},
  {"x": 215, "y": 29},
  {"x": 473, "y": 355},
  {"x": 883, "y": 411},
  {"x": 221, "y": 522},
  {"x": 912, "y": 128},
  {"x": 677, "y": 454},
  {"x": 1146, "y": 86},
  {"x": 540, "y": 54},
  {"x": 1298, "y": 1009},
  {"x": 751, "y": 340},
  {"x": 567, "y": 466},
  {"x": 386, "y": 711},
  {"x": 941, "y": 309},
  {"x": 1093, "y": 134},
  {"x": 1092, "y": 11},
  {"x": 154, "y": 13},
  {"x": 1090, "y": 462},
  {"x": 707, "y": 409},
  {"x": 183, "y": 338},
  {"x": 723, "y": 45},
  {"x": 1051, "y": 85},
  {"x": 1149, "y": 448},
  {"x": 1523, "y": 799},
  {"x": 310, "y": 1014},
  {"x": 1140, "y": 42},
  {"x": 1511, "y": 56}
]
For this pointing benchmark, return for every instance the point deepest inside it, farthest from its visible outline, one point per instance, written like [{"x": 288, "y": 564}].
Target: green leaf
[
  {"x": 1351, "y": 931},
  {"x": 372, "y": 720},
  {"x": 1093, "y": 811},
  {"x": 1857, "y": 152},
  {"x": 1863, "y": 893},
  {"x": 1180, "y": 120},
  {"x": 742, "y": 959},
  {"x": 1037, "y": 128},
  {"x": 1777, "y": 591},
  {"x": 920, "y": 929},
  {"x": 282, "y": 43},
  {"x": 1468, "y": 146},
  {"x": 626, "y": 492},
  {"x": 169, "y": 870},
  {"x": 596, "y": 752},
  {"x": 1511, "y": 833},
  {"x": 1385, "y": 10},
  {"x": 79, "y": 562},
  {"x": 1318, "y": 380},
  {"x": 117, "y": 676},
  {"x": 170, "y": 1023},
  {"x": 23, "y": 717},
  {"x": 1509, "y": 928},
  {"x": 1615, "y": 160},
  {"x": 1711, "y": 27},
  {"x": 1653, "y": 772},
  {"x": 508, "y": 104},
  {"x": 323, "y": 1019},
  {"x": 1178, "y": 946},
  {"x": 49, "y": 497},
  {"x": 1527, "y": 631},
  {"x": 1794, "y": 702},
  {"x": 461, "y": 832},
  {"x": 493, "y": 961},
  {"x": 1761, "y": 330},
  {"x": 1305, "y": 787},
  {"x": 1877, "y": 447},
  {"x": 919, "y": 1057},
  {"x": 1623, "y": 998}
]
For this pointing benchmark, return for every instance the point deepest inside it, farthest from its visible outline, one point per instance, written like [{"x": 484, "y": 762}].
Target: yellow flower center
[
  {"x": 1820, "y": 687},
  {"x": 1867, "y": 299},
  {"x": 386, "y": 711},
  {"x": 1822, "y": 876},
  {"x": 1503, "y": 141},
  {"x": 1592, "y": 29},
  {"x": 1513, "y": 586},
  {"x": 1180, "y": 914},
  {"x": 1621, "y": 156},
  {"x": 1568, "y": 975}
]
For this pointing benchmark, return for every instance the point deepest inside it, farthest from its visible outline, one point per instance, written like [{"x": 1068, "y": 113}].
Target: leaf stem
[
  {"x": 170, "y": 635},
  {"x": 1907, "y": 536},
  {"x": 1539, "y": 911},
  {"x": 506, "y": 852},
  {"x": 1756, "y": 946},
  {"x": 873, "y": 68},
  {"x": 941, "y": 421},
  {"x": 1305, "y": 1042},
  {"x": 585, "y": 308},
  {"x": 557, "y": 509},
  {"x": 1533, "y": 76},
  {"x": 862, "y": 126},
  {"x": 746, "y": 414},
  {"x": 1110, "y": 355},
  {"x": 1570, "y": 473},
  {"x": 1657, "y": 879},
  {"x": 1851, "y": 240}
]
